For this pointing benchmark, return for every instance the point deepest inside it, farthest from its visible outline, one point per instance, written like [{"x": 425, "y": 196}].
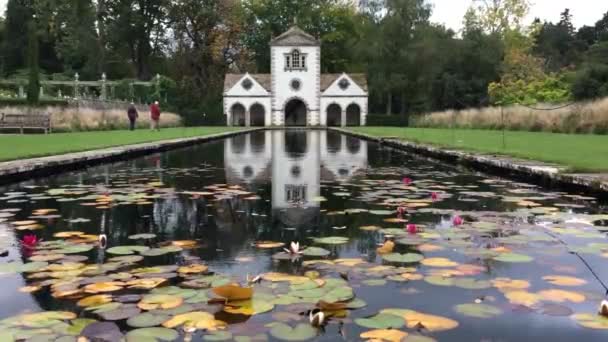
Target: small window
[
  {"x": 295, "y": 56},
  {"x": 344, "y": 84},
  {"x": 247, "y": 84},
  {"x": 303, "y": 61},
  {"x": 287, "y": 61}
]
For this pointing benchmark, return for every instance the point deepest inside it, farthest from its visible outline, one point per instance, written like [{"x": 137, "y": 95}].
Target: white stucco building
[{"x": 295, "y": 93}]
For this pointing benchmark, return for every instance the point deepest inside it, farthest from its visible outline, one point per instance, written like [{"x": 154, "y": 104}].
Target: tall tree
[
  {"x": 33, "y": 87},
  {"x": 15, "y": 45},
  {"x": 137, "y": 29}
]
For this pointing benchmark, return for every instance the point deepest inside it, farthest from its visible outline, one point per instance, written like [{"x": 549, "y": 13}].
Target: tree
[
  {"x": 33, "y": 86},
  {"x": 15, "y": 45},
  {"x": 137, "y": 30},
  {"x": 502, "y": 16}
]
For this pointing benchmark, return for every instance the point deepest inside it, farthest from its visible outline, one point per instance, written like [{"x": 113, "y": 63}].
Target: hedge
[
  {"x": 23, "y": 102},
  {"x": 387, "y": 120}
]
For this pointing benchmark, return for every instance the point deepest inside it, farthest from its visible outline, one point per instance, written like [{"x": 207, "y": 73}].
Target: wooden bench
[{"x": 26, "y": 121}]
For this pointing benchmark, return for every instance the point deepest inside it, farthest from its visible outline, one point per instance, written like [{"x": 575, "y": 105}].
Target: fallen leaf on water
[{"x": 233, "y": 292}]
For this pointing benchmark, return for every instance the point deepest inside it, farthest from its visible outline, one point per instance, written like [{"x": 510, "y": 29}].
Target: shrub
[{"x": 386, "y": 120}]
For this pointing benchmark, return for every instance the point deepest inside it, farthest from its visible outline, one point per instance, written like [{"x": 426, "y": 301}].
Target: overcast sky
[{"x": 585, "y": 12}]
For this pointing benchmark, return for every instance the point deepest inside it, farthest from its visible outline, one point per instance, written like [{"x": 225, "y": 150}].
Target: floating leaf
[
  {"x": 145, "y": 283},
  {"x": 161, "y": 251},
  {"x": 386, "y": 248},
  {"x": 110, "y": 286},
  {"x": 193, "y": 269},
  {"x": 416, "y": 319},
  {"x": 233, "y": 292},
  {"x": 564, "y": 280},
  {"x": 381, "y": 321},
  {"x": 560, "y": 296},
  {"x": 316, "y": 252},
  {"x": 269, "y": 244},
  {"x": 478, "y": 310},
  {"x": 384, "y": 335},
  {"x": 591, "y": 321},
  {"x": 124, "y": 312},
  {"x": 507, "y": 284},
  {"x": 300, "y": 332},
  {"x": 127, "y": 250},
  {"x": 513, "y": 258},
  {"x": 198, "y": 319},
  {"x": 94, "y": 300},
  {"x": 438, "y": 262},
  {"x": 332, "y": 240},
  {"x": 522, "y": 298},
  {"x": 147, "y": 319},
  {"x": 403, "y": 258},
  {"x": 250, "y": 307},
  {"x": 160, "y": 301},
  {"x": 152, "y": 334}
]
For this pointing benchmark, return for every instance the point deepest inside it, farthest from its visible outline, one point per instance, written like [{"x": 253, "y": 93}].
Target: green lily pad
[
  {"x": 332, "y": 240},
  {"x": 478, "y": 310},
  {"x": 381, "y": 212},
  {"x": 403, "y": 258},
  {"x": 513, "y": 258},
  {"x": 356, "y": 304},
  {"x": 161, "y": 251},
  {"x": 300, "y": 332},
  {"x": 471, "y": 283},
  {"x": 316, "y": 252},
  {"x": 147, "y": 320},
  {"x": 218, "y": 336},
  {"x": 339, "y": 294},
  {"x": 439, "y": 280},
  {"x": 374, "y": 282},
  {"x": 127, "y": 250},
  {"x": 152, "y": 334},
  {"x": 74, "y": 249},
  {"x": 381, "y": 321}
]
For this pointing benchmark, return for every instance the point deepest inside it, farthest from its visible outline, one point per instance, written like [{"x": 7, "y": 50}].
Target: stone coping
[
  {"x": 537, "y": 172},
  {"x": 16, "y": 170}
]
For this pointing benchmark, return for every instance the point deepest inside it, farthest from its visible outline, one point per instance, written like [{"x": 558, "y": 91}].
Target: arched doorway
[
  {"x": 295, "y": 113},
  {"x": 257, "y": 115},
  {"x": 334, "y": 115},
  {"x": 353, "y": 115},
  {"x": 237, "y": 115}
]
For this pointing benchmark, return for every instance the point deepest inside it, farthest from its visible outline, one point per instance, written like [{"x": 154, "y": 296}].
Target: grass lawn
[
  {"x": 16, "y": 146},
  {"x": 578, "y": 152}
]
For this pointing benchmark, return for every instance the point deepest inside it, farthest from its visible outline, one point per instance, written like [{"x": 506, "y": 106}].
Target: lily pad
[
  {"x": 403, "y": 258},
  {"x": 127, "y": 250},
  {"x": 161, "y": 251},
  {"x": 142, "y": 236},
  {"x": 591, "y": 321},
  {"x": 152, "y": 334},
  {"x": 513, "y": 258},
  {"x": 381, "y": 321},
  {"x": 316, "y": 252},
  {"x": 300, "y": 332},
  {"x": 146, "y": 320},
  {"x": 416, "y": 319},
  {"x": 332, "y": 240}
]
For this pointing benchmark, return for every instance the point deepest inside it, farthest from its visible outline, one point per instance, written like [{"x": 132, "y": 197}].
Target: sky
[{"x": 585, "y": 12}]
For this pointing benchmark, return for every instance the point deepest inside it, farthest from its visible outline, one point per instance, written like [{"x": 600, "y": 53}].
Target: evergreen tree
[
  {"x": 14, "y": 48},
  {"x": 33, "y": 87}
]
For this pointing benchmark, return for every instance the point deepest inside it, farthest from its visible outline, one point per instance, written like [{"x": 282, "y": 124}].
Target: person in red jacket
[{"x": 155, "y": 116}]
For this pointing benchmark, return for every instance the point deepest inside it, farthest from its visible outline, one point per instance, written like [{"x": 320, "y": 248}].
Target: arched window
[{"x": 295, "y": 58}]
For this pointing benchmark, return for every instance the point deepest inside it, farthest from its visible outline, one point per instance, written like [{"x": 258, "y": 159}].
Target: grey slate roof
[
  {"x": 263, "y": 79},
  {"x": 295, "y": 36},
  {"x": 328, "y": 79}
]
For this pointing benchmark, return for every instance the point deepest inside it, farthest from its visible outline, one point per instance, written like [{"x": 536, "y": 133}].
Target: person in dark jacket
[
  {"x": 133, "y": 115},
  {"x": 155, "y": 116}
]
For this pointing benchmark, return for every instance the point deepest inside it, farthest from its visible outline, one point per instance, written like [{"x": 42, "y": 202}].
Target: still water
[{"x": 471, "y": 257}]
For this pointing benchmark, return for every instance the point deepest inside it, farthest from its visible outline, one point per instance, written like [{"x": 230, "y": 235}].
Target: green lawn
[
  {"x": 15, "y": 146},
  {"x": 579, "y": 152}
]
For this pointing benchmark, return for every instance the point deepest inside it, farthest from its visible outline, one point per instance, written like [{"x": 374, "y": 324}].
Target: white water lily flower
[
  {"x": 603, "y": 310},
  {"x": 294, "y": 248}
]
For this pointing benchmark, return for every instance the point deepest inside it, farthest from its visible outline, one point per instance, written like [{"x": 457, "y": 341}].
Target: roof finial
[{"x": 295, "y": 21}]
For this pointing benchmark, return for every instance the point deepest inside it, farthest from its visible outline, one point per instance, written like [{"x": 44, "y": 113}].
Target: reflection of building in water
[{"x": 295, "y": 162}]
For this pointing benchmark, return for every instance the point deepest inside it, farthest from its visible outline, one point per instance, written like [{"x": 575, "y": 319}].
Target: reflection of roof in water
[
  {"x": 295, "y": 217},
  {"x": 235, "y": 176}
]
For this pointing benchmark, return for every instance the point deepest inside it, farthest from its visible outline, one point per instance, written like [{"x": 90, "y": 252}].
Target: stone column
[
  {"x": 21, "y": 91},
  {"x": 76, "y": 80},
  {"x": 343, "y": 118},
  {"x": 41, "y": 92},
  {"x": 247, "y": 118},
  {"x": 104, "y": 94},
  {"x": 228, "y": 119}
]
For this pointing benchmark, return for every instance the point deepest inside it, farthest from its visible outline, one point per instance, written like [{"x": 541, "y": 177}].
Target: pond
[{"x": 391, "y": 245}]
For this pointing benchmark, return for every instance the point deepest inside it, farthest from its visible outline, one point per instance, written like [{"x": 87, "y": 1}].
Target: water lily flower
[
  {"x": 434, "y": 196},
  {"x": 401, "y": 211},
  {"x": 254, "y": 280},
  {"x": 412, "y": 228},
  {"x": 407, "y": 180},
  {"x": 603, "y": 308},
  {"x": 457, "y": 220},
  {"x": 30, "y": 241},
  {"x": 316, "y": 317},
  {"x": 103, "y": 241},
  {"x": 294, "y": 248}
]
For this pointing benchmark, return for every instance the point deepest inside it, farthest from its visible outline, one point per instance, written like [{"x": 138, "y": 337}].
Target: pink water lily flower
[
  {"x": 412, "y": 228},
  {"x": 407, "y": 180},
  {"x": 434, "y": 196},
  {"x": 457, "y": 220},
  {"x": 401, "y": 211},
  {"x": 294, "y": 248},
  {"x": 30, "y": 241}
]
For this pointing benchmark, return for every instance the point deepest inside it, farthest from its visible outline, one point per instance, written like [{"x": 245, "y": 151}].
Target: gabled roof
[
  {"x": 328, "y": 79},
  {"x": 295, "y": 36},
  {"x": 263, "y": 79}
]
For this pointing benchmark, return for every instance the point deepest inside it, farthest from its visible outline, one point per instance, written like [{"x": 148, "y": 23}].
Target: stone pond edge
[
  {"x": 534, "y": 171},
  {"x": 17, "y": 170}
]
